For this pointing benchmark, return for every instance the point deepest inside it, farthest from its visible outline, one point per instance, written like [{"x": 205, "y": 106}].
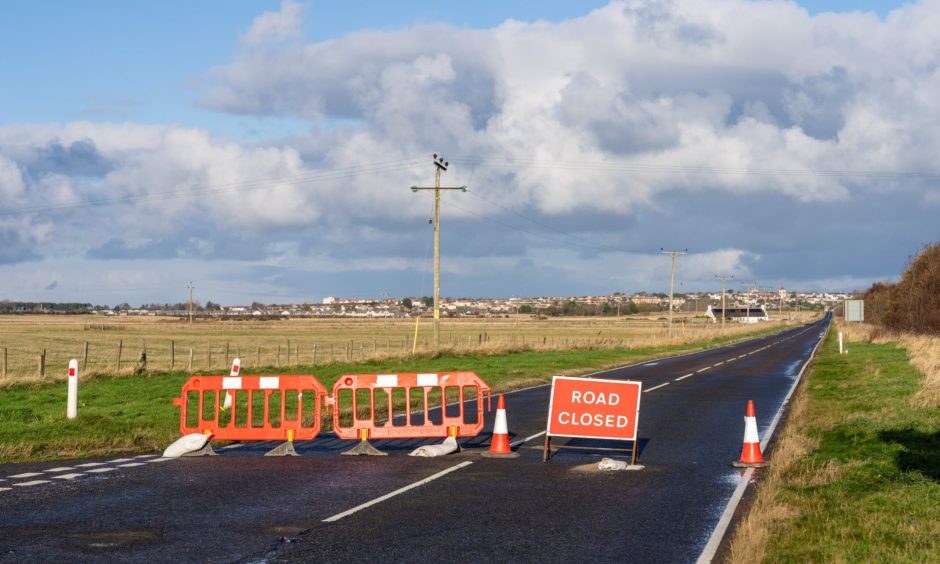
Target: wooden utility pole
[
  {"x": 724, "y": 278},
  {"x": 190, "y": 302},
  {"x": 672, "y": 281},
  {"x": 440, "y": 165}
]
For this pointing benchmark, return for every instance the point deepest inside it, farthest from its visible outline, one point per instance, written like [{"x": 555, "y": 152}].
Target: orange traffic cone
[
  {"x": 751, "y": 456},
  {"x": 499, "y": 445}
]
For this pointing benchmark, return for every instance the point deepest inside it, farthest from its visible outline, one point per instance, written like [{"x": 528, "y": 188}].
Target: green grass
[
  {"x": 136, "y": 413},
  {"x": 869, "y": 491}
]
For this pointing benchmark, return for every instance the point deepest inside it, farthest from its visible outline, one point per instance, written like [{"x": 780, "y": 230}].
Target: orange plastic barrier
[
  {"x": 263, "y": 408},
  {"x": 398, "y": 406}
]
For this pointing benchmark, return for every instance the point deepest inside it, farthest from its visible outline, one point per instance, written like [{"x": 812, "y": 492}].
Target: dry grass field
[{"x": 116, "y": 344}]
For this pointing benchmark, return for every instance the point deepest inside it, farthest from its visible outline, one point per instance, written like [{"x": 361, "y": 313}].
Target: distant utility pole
[
  {"x": 672, "y": 280},
  {"x": 190, "y": 301},
  {"x": 724, "y": 313},
  {"x": 440, "y": 165}
]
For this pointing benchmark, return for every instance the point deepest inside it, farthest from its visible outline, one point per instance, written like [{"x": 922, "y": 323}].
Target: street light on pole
[{"x": 440, "y": 165}]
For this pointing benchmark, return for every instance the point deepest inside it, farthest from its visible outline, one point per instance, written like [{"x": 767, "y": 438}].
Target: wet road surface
[{"x": 241, "y": 506}]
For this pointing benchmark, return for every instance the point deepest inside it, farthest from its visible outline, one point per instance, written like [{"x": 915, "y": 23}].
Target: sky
[{"x": 265, "y": 150}]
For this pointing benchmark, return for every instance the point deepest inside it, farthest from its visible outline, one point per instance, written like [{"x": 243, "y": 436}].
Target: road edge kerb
[{"x": 721, "y": 529}]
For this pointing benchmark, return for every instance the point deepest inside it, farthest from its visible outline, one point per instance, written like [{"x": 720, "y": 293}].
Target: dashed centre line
[
  {"x": 91, "y": 464},
  {"x": 100, "y": 470},
  {"x": 702, "y": 369},
  {"x": 59, "y": 469},
  {"x": 25, "y": 475},
  {"x": 683, "y": 377},
  {"x": 132, "y": 464},
  {"x": 67, "y": 476},
  {"x": 31, "y": 483},
  {"x": 656, "y": 387}
]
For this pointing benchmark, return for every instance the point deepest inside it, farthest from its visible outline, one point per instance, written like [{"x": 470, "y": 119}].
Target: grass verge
[
  {"x": 855, "y": 475},
  {"x": 136, "y": 413}
]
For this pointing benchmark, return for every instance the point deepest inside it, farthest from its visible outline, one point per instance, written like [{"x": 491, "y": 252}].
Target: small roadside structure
[{"x": 737, "y": 314}]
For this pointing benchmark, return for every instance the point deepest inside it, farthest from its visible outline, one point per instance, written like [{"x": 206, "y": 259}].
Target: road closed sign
[{"x": 594, "y": 409}]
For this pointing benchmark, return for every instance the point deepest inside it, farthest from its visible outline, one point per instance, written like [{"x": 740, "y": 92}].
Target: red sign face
[{"x": 594, "y": 409}]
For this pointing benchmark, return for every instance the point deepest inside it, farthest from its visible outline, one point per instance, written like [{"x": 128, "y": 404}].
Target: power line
[{"x": 689, "y": 169}]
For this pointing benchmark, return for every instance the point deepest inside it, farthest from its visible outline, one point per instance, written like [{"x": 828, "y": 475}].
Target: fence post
[
  {"x": 288, "y": 352},
  {"x": 4, "y": 362},
  {"x": 314, "y": 354},
  {"x": 258, "y": 360},
  {"x": 117, "y": 366},
  {"x": 209, "y": 356},
  {"x": 42, "y": 364},
  {"x": 85, "y": 357},
  {"x": 226, "y": 353},
  {"x": 172, "y": 354},
  {"x": 190, "y": 359},
  {"x": 278, "y": 356}
]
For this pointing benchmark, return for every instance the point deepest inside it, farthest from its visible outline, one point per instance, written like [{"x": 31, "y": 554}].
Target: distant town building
[{"x": 737, "y": 314}]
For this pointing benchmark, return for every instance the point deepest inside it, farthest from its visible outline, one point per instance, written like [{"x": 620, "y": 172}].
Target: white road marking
[
  {"x": 161, "y": 460},
  {"x": 651, "y": 364},
  {"x": 91, "y": 464},
  {"x": 25, "y": 475},
  {"x": 719, "y": 363},
  {"x": 656, "y": 387},
  {"x": 703, "y": 369},
  {"x": 527, "y": 439},
  {"x": 236, "y": 445},
  {"x": 146, "y": 455},
  {"x": 59, "y": 469},
  {"x": 31, "y": 483},
  {"x": 132, "y": 464},
  {"x": 399, "y": 491},
  {"x": 116, "y": 460},
  {"x": 67, "y": 476},
  {"x": 5, "y": 489},
  {"x": 683, "y": 377},
  {"x": 100, "y": 470}
]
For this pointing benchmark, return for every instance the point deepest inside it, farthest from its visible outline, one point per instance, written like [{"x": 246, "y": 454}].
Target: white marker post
[
  {"x": 840, "y": 342},
  {"x": 71, "y": 410}
]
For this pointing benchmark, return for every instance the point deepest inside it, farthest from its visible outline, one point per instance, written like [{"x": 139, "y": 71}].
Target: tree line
[{"x": 913, "y": 303}]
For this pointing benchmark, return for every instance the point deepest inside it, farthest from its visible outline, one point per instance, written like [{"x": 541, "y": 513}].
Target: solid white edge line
[
  {"x": 399, "y": 491},
  {"x": 655, "y": 387},
  {"x": 714, "y": 541},
  {"x": 527, "y": 439}
]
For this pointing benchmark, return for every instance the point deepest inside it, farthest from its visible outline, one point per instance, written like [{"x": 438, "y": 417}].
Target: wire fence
[{"x": 157, "y": 355}]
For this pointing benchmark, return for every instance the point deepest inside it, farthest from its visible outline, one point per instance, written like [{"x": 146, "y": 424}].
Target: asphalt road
[{"x": 243, "y": 507}]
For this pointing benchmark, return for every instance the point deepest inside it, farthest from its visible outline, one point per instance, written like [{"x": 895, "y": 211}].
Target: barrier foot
[
  {"x": 364, "y": 448},
  {"x": 204, "y": 451},
  {"x": 284, "y": 449}
]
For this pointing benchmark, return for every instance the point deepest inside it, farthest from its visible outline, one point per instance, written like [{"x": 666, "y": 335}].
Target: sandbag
[{"x": 185, "y": 444}]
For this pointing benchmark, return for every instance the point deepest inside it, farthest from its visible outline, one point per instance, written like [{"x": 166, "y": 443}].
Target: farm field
[{"x": 38, "y": 347}]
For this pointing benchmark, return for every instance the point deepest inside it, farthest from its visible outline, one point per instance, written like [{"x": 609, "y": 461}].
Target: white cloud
[{"x": 275, "y": 26}]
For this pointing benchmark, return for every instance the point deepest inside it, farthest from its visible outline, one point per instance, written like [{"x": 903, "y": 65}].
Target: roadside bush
[{"x": 913, "y": 304}]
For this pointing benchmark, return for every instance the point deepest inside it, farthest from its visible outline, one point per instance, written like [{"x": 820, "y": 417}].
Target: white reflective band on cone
[
  {"x": 500, "y": 427},
  {"x": 750, "y": 430}
]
